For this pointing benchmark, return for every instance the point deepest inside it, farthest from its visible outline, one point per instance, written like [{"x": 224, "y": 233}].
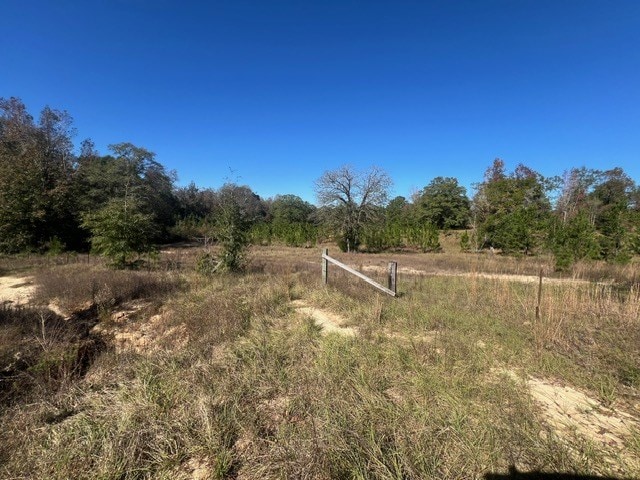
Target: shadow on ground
[{"x": 535, "y": 475}]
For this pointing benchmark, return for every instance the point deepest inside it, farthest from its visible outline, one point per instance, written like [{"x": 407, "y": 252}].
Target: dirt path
[
  {"x": 16, "y": 290},
  {"x": 492, "y": 276}
]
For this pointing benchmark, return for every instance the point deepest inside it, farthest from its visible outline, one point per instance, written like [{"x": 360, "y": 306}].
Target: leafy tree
[
  {"x": 120, "y": 229},
  {"x": 194, "y": 202},
  {"x": 290, "y": 209},
  {"x": 511, "y": 211},
  {"x": 613, "y": 218},
  {"x": 444, "y": 203},
  {"x": 398, "y": 219},
  {"x": 352, "y": 199},
  {"x": 291, "y": 220},
  {"x": 574, "y": 239},
  {"x": 131, "y": 172},
  {"x": 606, "y": 200},
  {"x": 575, "y": 197},
  {"x": 36, "y": 167},
  {"x": 398, "y": 211}
]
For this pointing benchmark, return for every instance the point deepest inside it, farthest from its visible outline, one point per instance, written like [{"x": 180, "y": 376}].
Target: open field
[{"x": 163, "y": 373}]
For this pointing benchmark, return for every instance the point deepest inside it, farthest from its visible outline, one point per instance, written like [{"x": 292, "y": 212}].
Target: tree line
[{"x": 124, "y": 202}]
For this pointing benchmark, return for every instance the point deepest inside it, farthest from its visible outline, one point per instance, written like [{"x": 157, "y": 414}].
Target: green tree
[
  {"x": 291, "y": 220},
  {"x": 290, "y": 209},
  {"x": 613, "y": 196},
  {"x": 465, "y": 242},
  {"x": 36, "y": 168},
  {"x": 398, "y": 219},
  {"x": 120, "y": 229},
  {"x": 574, "y": 239},
  {"x": 511, "y": 212},
  {"x": 444, "y": 203},
  {"x": 425, "y": 236},
  {"x": 237, "y": 209},
  {"x": 129, "y": 171}
]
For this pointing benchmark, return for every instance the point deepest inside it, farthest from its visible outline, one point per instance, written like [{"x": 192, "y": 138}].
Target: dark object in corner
[{"x": 514, "y": 474}]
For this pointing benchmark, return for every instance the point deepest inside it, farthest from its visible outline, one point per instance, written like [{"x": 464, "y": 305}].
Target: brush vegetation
[{"x": 255, "y": 390}]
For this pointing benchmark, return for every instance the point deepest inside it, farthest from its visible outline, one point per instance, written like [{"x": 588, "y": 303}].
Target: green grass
[{"x": 259, "y": 392}]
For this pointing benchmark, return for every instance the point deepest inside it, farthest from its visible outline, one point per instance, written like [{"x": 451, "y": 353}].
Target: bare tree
[{"x": 351, "y": 199}]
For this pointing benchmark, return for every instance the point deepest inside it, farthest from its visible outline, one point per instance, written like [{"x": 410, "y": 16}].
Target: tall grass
[{"x": 259, "y": 392}]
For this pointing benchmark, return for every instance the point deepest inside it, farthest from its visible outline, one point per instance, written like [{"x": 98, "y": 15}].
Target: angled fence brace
[{"x": 392, "y": 274}]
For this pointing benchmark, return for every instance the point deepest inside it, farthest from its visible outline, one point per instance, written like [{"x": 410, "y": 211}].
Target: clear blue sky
[{"x": 272, "y": 93}]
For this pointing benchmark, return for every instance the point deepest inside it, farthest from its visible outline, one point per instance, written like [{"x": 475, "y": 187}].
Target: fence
[{"x": 392, "y": 274}]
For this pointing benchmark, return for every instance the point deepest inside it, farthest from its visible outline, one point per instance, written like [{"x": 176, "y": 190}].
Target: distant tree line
[{"x": 124, "y": 202}]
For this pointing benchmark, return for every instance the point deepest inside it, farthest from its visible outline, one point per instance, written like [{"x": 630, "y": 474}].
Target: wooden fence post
[
  {"x": 325, "y": 267},
  {"x": 393, "y": 276},
  {"x": 539, "y": 297}
]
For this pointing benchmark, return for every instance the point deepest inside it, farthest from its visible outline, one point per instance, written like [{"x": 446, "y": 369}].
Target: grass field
[{"x": 164, "y": 373}]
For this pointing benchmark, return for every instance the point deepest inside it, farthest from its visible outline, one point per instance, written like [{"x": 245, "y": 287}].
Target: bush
[
  {"x": 120, "y": 229},
  {"x": 207, "y": 264},
  {"x": 465, "y": 242}
]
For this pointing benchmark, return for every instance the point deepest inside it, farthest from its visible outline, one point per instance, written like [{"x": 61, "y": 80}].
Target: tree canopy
[
  {"x": 444, "y": 203},
  {"x": 123, "y": 202},
  {"x": 351, "y": 198}
]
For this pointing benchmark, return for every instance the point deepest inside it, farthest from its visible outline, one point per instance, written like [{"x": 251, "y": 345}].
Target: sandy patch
[
  {"x": 142, "y": 336},
  {"x": 426, "y": 337},
  {"x": 569, "y": 412},
  {"x": 16, "y": 290},
  {"x": 330, "y": 322}
]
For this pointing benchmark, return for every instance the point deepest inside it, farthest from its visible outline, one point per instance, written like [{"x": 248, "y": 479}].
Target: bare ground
[
  {"x": 16, "y": 290},
  {"x": 570, "y": 413},
  {"x": 330, "y": 322}
]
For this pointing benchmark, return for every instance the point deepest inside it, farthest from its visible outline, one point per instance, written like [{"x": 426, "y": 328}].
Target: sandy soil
[
  {"x": 330, "y": 322},
  {"x": 570, "y": 412},
  {"x": 16, "y": 290},
  {"x": 142, "y": 336}
]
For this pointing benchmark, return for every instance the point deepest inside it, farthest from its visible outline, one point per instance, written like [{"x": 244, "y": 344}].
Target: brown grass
[
  {"x": 76, "y": 286},
  {"x": 258, "y": 392}
]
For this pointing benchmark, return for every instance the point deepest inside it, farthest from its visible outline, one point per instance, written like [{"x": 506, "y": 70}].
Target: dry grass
[
  {"x": 76, "y": 286},
  {"x": 41, "y": 353},
  {"x": 257, "y": 392}
]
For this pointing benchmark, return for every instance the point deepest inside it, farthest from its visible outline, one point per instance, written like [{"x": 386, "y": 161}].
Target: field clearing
[{"x": 272, "y": 375}]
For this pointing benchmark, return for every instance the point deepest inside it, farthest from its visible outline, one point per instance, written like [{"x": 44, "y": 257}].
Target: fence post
[
  {"x": 539, "y": 297},
  {"x": 325, "y": 267},
  {"x": 393, "y": 276}
]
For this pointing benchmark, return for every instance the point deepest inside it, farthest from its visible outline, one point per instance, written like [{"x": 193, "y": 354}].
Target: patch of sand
[
  {"x": 142, "y": 336},
  {"x": 330, "y": 322},
  {"x": 568, "y": 411},
  {"x": 426, "y": 337},
  {"x": 195, "y": 468},
  {"x": 16, "y": 290}
]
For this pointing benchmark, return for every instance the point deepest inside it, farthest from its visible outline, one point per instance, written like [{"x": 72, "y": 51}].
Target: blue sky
[{"x": 273, "y": 93}]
